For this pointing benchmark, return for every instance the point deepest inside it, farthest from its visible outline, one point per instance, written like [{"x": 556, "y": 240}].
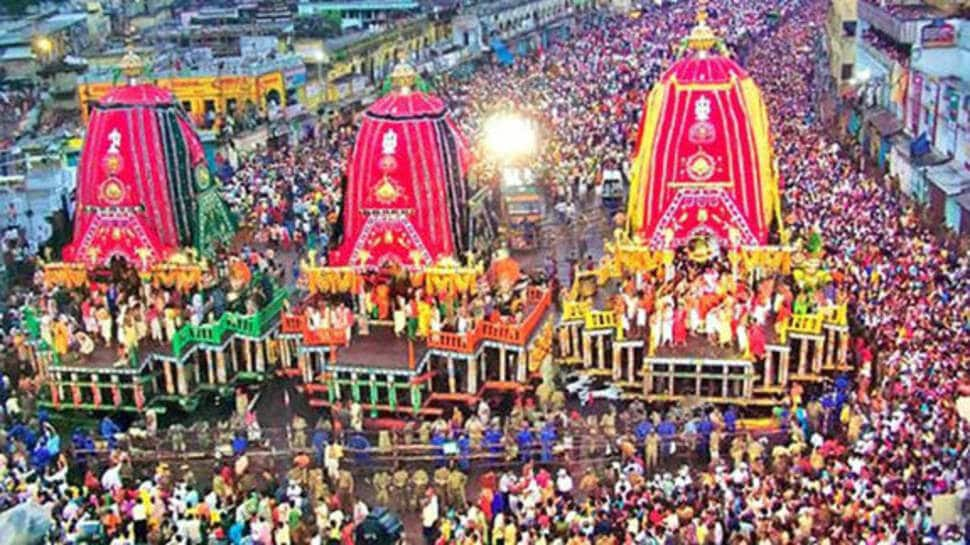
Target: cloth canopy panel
[
  {"x": 703, "y": 164},
  {"x": 143, "y": 184},
  {"x": 407, "y": 193}
]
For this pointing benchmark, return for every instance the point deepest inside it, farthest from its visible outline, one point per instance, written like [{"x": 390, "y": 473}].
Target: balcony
[
  {"x": 899, "y": 22},
  {"x": 881, "y": 51}
]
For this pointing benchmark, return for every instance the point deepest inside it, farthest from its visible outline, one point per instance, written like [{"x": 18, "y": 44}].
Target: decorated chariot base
[
  {"x": 183, "y": 334},
  {"x": 740, "y": 326},
  {"x": 416, "y": 341}
]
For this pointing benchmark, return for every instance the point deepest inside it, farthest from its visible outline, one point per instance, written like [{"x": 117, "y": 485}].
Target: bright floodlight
[{"x": 509, "y": 136}]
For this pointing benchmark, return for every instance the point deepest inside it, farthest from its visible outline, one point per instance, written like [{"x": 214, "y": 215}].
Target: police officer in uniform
[
  {"x": 382, "y": 482},
  {"x": 419, "y": 482},
  {"x": 456, "y": 489},
  {"x": 399, "y": 488}
]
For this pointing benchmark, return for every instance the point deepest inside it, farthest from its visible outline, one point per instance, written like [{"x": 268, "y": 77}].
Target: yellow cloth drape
[
  {"x": 331, "y": 280},
  {"x": 640, "y": 170},
  {"x": 66, "y": 275}
]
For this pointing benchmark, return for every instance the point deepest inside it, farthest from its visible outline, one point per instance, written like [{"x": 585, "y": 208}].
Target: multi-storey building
[
  {"x": 840, "y": 30},
  {"x": 909, "y": 102}
]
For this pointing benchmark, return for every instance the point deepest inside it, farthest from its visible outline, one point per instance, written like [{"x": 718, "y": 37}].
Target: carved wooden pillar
[
  {"x": 647, "y": 379},
  {"x": 169, "y": 380},
  {"x": 843, "y": 356},
  {"x": 181, "y": 380},
  {"x": 483, "y": 367},
  {"x": 196, "y": 361},
  {"x": 601, "y": 352},
  {"x": 617, "y": 362},
  {"x": 472, "y": 375},
  {"x": 574, "y": 341},
  {"x": 565, "y": 350},
  {"x": 221, "y": 377},
  {"x": 306, "y": 373},
  {"x": 724, "y": 381},
  {"x": 502, "y": 364},
  {"x": 260, "y": 356},
  {"x": 587, "y": 351},
  {"x": 803, "y": 356},
  {"x": 248, "y": 355},
  {"x": 769, "y": 361},
  {"x": 829, "y": 347},
  {"x": 451, "y": 374},
  {"x": 631, "y": 369},
  {"x": 817, "y": 356},
  {"x": 783, "y": 368},
  {"x": 210, "y": 367}
]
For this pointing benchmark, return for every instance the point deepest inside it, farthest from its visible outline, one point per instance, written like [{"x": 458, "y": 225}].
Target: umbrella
[{"x": 25, "y": 524}]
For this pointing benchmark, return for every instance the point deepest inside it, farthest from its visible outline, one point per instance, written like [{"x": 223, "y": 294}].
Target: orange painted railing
[
  {"x": 517, "y": 334},
  {"x": 454, "y": 342},
  {"x": 537, "y": 300},
  {"x": 293, "y": 323},
  {"x": 297, "y": 324}
]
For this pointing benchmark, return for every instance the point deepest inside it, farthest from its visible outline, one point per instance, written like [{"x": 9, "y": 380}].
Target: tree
[{"x": 17, "y": 7}]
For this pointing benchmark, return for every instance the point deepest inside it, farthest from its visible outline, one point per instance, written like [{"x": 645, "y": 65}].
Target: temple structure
[
  {"x": 144, "y": 190},
  {"x": 407, "y": 194},
  {"x": 704, "y": 166}
]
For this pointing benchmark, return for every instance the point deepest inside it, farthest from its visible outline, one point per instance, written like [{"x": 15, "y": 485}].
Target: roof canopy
[{"x": 704, "y": 164}]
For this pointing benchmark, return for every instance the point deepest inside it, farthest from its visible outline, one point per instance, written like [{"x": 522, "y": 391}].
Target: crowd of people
[
  {"x": 862, "y": 464},
  {"x": 291, "y": 196},
  {"x": 14, "y": 106}
]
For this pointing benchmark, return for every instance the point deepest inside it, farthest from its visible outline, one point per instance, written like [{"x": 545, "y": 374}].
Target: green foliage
[
  {"x": 814, "y": 244},
  {"x": 420, "y": 85},
  {"x": 17, "y": 7}
]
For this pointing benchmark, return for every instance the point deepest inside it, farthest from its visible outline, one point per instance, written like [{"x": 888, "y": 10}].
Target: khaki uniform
[
  {"x": 755, "y": 450},
  {"x": 558, "y": 400},
  {"x": 299, "y": 432},
  {"x": 475, "y": 432},
  {"x": 737, "y": 450},
  {"x": 608, "y": 425},
  {"x": 441, "y": 481},
  {"x": 651, "y": 447},
  {"x": 419, "y": 481},
  {"x": 544, "y": 395},
  {"x": 715, "y": 445},
  {"x": 589, "y": 482},
  {"x": 382, "y": 482},
  {"x": 424, "y": 433},
  {"x": 399, "y": 486},
  {"x": 384, "y": 443},
  {"x": 345, "y": 489},
  {"x": 456, "y": 489}
]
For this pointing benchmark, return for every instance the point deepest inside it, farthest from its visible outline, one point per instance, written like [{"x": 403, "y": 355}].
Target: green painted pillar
[
  {"x": 373, "y": 396},
  {"x": 391, "y": 393},
  {"x": 415, "y": 398},
  {"x": 354, "y": 387}
]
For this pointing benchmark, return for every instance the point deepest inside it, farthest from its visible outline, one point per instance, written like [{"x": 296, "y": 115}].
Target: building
[
  {"x": 908, "y": 101},
  {"x": 142, "y": 15},
  {"x": 840, "y": 31},
  {"x": 938, "y": 110},
  {"x": 224, "y": 29},
  {"x": 29, "y": 44},
  {"x": 237, "y": 86},
  {"x": 355, "y": 64},
  {"x": 359, "y": 14},
  {"x": 521, "y": 27}
]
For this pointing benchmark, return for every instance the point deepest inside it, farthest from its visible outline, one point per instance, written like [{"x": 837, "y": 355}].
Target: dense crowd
[
  {"x": 14, "y": 106},
  {"x": 290, "y": 197},
  {"x": 860, "y": 465},
  {"x": 871, "y": 478}
]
